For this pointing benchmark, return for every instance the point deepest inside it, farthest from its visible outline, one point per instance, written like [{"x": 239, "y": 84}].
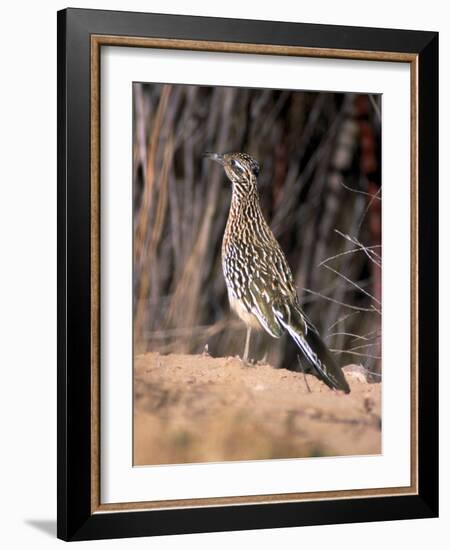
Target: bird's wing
[
  {"x": 261, "y": 307},
  {"x": 270, "y": 280}
]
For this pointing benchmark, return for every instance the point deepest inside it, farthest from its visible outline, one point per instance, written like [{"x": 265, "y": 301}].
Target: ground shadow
[{"x": 47, "y": 526}]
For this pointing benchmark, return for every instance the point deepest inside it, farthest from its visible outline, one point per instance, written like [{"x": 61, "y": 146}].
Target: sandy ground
[{"x": 195, "y": 408}]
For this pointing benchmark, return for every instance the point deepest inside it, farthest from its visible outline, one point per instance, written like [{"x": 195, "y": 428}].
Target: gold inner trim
[{"x": 124, "y": 41}]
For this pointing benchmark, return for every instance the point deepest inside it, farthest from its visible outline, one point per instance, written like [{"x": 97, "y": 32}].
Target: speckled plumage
[{"x": 259, "y": 281}]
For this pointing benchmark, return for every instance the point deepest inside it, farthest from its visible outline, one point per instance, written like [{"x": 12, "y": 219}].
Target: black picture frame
[{"x": 76, "y": 520}]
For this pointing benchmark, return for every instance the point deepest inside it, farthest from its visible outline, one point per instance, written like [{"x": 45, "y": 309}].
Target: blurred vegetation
[{"x": 320, "y": 190}]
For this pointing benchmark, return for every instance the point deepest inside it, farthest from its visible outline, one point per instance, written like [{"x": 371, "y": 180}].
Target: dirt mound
[{"x": 195, "y": 408}]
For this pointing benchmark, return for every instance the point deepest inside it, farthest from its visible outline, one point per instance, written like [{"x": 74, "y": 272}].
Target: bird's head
[{"x": 241, "y": 169}]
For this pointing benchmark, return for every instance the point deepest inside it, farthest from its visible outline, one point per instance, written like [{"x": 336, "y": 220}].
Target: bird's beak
[{"x": 215, "y": 156}]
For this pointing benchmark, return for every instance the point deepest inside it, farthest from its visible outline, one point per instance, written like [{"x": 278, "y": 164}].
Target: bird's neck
[
  {"x": 244, "y": 197},
  {"x": 244, "y": 209},
  {"x": 244, "y": 194}
]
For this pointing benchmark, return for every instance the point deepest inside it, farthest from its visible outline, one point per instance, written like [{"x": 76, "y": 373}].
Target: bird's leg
[{"x": 247, "y": 345}]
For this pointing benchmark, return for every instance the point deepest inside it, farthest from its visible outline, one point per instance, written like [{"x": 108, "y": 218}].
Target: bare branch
[
  {"x": 375, "y": 106},
  {"x": 353, "y": 284},
  {"x": 352, "y": 251},
  {"x": 356, "y": 336},
  {"x": 369, "y": 250},
  {"x": 359, "y": 191},
  {"x": 362, "y": 346},
  {"x": 374, "y": 197},
  {"x": 354, "y": 353},
  {"x": 342, "y": 319},
  {"x": 304, "y": 374},
  {"x": 357, "y": 308}
]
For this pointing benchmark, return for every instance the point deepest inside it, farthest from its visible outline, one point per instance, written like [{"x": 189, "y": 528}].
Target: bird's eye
[
  {"x": 255, "y": 168},
  {"x": 237, "y": 166}
]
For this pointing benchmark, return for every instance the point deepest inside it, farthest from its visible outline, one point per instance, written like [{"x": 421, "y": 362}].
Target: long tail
[{"x": 310, "y": 343}]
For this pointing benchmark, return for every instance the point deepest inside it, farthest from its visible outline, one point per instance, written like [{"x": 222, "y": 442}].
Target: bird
[{"x": 259, "y": 281}]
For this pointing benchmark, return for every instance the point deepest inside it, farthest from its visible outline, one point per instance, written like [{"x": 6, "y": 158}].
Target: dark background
[{"x": 320, "y": 190}]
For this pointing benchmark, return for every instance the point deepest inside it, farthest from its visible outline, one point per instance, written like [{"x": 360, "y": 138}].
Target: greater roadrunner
[{"x": 259, "y": 281}]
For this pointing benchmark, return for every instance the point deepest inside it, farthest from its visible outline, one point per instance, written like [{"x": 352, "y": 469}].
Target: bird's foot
[
  {"x": 263, "y": 360},
  {"x": 206, "y": 350},
  {"x": 247, "y": 361}
]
